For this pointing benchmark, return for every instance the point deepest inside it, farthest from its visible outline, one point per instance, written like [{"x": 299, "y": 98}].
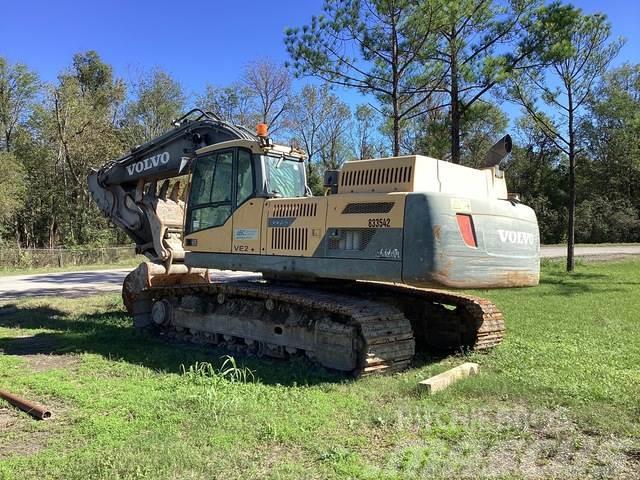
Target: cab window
[
  {"x": 211, "y": 191},
  {"x": 285, "y": 177},
  {"x": 244, "y": 187}
]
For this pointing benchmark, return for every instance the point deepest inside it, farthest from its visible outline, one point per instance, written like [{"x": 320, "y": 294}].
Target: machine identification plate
[
  {"x": 245, "y": 234},
  {"x": 461, "y": 204},
  {"x": 379, "y": 222},
  {"x": 280, "y": 222}
]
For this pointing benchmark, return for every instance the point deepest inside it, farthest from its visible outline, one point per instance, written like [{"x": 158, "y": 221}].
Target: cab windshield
[{"x": 285, "y": 177}]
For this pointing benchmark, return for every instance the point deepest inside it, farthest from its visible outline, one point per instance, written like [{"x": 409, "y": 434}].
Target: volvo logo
[
  {"x": 150, "y": 162},
  {"x": 518, "y": 238}
]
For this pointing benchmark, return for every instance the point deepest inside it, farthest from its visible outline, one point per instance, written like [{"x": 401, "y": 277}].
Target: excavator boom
[{"x": 126, "y": 190}]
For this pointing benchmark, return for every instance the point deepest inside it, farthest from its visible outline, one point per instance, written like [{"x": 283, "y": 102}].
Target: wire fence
[{"x": 62, "y": 257}]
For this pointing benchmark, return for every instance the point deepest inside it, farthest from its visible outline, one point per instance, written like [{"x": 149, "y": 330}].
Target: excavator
[{"x": 358, "y": 280}]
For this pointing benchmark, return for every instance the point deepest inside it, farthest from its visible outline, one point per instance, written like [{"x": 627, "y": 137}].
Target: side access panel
[{"x": 293, "y": 227}]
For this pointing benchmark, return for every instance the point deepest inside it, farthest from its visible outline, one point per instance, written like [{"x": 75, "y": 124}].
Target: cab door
[
  {"x": 247, "y": 217},
  {"x": 208, "y": 225}
]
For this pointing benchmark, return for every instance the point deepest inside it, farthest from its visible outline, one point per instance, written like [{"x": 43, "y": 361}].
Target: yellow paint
[
  {"x": 216, "y": 239},
  {"x": 337, "y": 204}
]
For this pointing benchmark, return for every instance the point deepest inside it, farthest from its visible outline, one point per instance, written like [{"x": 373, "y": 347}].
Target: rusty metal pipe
[{"x": 34, "y": 409}]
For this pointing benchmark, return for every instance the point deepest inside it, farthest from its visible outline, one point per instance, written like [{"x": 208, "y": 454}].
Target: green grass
[{"x": 559, "y": 398}]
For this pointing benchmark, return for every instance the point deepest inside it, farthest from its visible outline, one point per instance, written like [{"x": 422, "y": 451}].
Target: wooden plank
[{"x": 444, "y": 379}]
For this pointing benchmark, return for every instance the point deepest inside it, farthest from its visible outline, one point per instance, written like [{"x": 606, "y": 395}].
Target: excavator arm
[{"x": 126, "y": 190}]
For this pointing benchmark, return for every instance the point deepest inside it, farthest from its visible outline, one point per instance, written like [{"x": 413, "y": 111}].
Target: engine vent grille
[
  {"x": 376, "y": 176},
  {"x": 369, "y": 207},
  {"x": 351, "y": 239},
  {"x": 289, "y": 238},
  {"x": 295, "y": 210}
]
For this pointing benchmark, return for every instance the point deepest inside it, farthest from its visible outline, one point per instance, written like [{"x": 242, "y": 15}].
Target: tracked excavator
[{"x": 357, "y": 280}]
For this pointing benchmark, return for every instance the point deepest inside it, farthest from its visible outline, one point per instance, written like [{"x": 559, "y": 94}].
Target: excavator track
[
  {"x": 362, "y": 328},
  {"x": 445, "y": 320}
]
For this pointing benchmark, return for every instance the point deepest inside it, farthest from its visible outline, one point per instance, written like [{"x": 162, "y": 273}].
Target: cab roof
[{"x": 260, "y": 147}]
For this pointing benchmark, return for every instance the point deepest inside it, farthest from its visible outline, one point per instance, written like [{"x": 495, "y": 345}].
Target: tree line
[{"x": 434, "y": 77}]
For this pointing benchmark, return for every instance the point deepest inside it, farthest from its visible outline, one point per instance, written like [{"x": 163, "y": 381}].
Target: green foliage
[
  {"x": 480, "y": 44},
  {"x": 578, "y": 58},
  {"x": 537, "y": 171},
  {"x": 480, "y": 126},
  {"x": 18, "y": 89},
  {"x": 158, "y": 101},
  {"x": 71, "y": 131},
  {"x": 603, "y": 219},
  {"x": 378, "y": 47},
  {"x": 233, "y": 103},
  {"x": 315, "y": 179},
  {"x": 12, "y": 187},
  {"x": 319, "y": 125},
  {"x": 610, "y": 132}
]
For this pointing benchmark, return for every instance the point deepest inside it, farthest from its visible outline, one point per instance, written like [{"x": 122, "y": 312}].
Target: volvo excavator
[{"x": 357, "y": 280}]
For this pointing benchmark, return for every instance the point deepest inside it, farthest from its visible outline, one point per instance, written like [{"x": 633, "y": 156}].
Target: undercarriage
[{"x": 360, "y": 328}]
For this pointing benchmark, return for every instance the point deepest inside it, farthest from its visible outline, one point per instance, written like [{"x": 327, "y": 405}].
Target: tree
[
  {"x": 579, "y": 57},
  {"x": 536, "y": 171},
  {"x": 158, "y": 101},
  {"x": 233, "y": 103},
  {"x": 270, "y": 85},
  {"x": 482, "y": 124},
  {"x": 18, "y": 88},
  {"x": 78, "y": 124},
  {"x": 480, "y": 44},
  {"x": 364, "y": 124},
  {"x": 12, "y": 186},
  {"x": 611, "y": 134},
  {"x": 334, "y": 144},
  {"x": 318, "y": 125},
  {"x": 83, "y": 107},
  {"x": 378, "y": 47}
]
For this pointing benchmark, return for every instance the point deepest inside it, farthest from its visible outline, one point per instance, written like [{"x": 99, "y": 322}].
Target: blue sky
[{"x": 198, "y": 42}]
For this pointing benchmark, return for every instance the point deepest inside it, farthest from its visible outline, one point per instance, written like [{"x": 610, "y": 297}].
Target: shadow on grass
[
  {"x": 579, "y": 282},
  {"x": 111, "y": 335}
]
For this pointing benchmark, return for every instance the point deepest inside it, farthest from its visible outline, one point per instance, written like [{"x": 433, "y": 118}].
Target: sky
[{"x": 198, "y": 42}]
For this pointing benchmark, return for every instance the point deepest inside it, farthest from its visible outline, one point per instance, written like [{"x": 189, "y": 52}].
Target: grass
[{"x": 558, "y": 399}]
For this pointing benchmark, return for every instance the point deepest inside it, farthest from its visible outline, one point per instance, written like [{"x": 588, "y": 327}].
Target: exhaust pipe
[
  {"x": 498, "y": 152},
  {"x": 34, "y": 409}
]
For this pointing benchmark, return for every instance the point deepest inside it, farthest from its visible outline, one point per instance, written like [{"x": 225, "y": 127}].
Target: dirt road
[
  {"x": 600, "y": 251},
  {"x": 77, "y": 284}
]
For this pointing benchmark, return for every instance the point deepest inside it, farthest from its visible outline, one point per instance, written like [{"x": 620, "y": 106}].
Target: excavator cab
[
  {"x": 229, "y": 183},
  {"x": 226, "y": 176}
]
